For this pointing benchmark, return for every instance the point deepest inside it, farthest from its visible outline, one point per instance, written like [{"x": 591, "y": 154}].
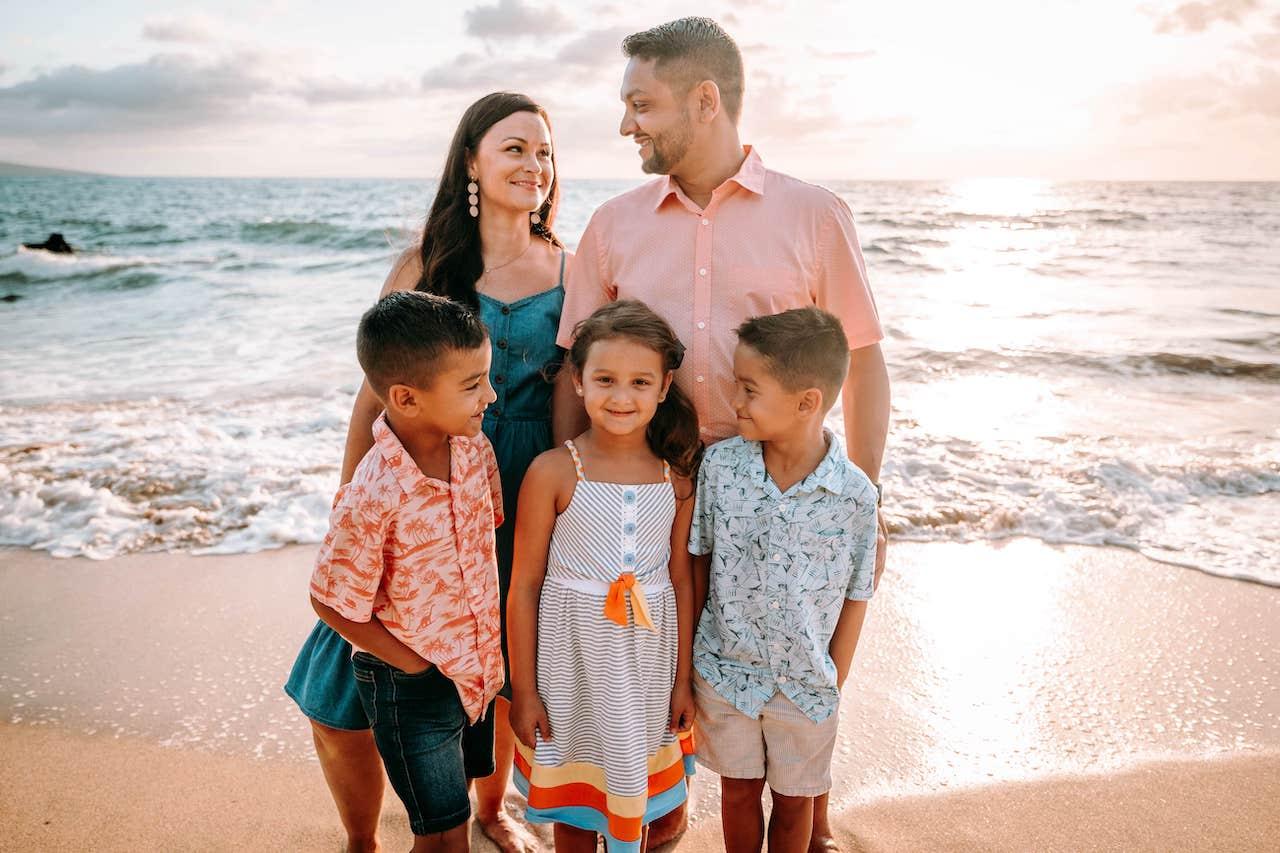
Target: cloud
[
  {"x": 332, "y": 90},
  {"x": 514, "y": 19},
  {"x": 1196, "y": 17},
  {"x": 174, "y": 91},
  {"x": 595, "y": 48},
  {"x": 1267, "y": 45},
  {"x": 471, "y": 71},
  {"x": 1213, "y": 96},
  {"x": 844, "y": 55},
  {"x": 585, "y": 57},
  {"x": 189, "y": 29},
  {"x": 164, "y": 82}
]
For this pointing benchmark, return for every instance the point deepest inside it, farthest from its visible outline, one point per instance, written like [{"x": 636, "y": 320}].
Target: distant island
[{"x": 19, "y": 170}]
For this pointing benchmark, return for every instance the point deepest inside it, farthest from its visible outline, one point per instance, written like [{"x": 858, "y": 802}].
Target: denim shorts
[
  {"x": 321, "y": 681},
  {"x": 425, "y": 741}
]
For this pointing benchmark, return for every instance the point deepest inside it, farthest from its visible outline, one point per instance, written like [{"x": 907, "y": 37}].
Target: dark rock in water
[
  {"x": 54, "y": 244},
  {"x": 10, "y": 297}
]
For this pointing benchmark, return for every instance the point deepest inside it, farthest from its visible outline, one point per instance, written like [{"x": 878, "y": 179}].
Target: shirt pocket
[{"x": 767, "y": 290}]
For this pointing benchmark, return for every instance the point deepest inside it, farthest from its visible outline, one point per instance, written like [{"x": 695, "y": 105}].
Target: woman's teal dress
[
  {"x": 522, "y": 335},
  {"x": 518, "y": 423}
]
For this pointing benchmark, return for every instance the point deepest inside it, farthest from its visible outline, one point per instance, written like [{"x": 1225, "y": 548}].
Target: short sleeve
[
  {"x": 586, "y": 285},
  {"x": 495, "y": 478},
  {"x": 702, "y": 530},
  {"x": 841, "y": 285},
  {"x": 349, "y": 567},
  {"x": 863, "y": 555}
]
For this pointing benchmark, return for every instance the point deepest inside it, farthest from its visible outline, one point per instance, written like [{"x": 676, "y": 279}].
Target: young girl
[{"x": 600, "y": 613}]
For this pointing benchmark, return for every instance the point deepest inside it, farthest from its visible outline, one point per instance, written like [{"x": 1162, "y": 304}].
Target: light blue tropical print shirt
[{"x": 782, "y": 566}]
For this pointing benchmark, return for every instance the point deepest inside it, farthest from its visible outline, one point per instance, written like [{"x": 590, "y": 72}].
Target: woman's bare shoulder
[{"x": 405, "y": 273}]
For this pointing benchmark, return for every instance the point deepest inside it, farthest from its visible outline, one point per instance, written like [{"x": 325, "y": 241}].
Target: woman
[{"x": 488, "y": 242}]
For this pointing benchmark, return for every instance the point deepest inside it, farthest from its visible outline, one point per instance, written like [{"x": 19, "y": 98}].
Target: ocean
[{"x": 1092, "y": 363}]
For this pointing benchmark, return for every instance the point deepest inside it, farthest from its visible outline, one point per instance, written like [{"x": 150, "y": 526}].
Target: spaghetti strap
[
  {"x": 577, "y": 461},
  {"x": 666, "y": 472},
  {"x": 562, "y": 258}
]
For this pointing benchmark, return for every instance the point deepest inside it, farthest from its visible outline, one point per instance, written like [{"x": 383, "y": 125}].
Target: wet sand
[{"x": 1003, "y": 697}]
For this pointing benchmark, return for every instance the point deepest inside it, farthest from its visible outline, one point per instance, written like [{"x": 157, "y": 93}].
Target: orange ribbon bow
[{"x": 615, "y": 606}]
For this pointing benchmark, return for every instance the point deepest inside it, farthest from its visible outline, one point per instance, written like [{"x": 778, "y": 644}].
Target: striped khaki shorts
[{"x": 784, "y": 747}]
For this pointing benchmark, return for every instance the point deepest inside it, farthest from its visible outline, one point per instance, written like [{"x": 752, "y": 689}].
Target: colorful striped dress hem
[{"x": 575, "y": 794}]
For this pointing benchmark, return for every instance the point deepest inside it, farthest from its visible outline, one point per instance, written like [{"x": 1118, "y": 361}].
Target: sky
[{"x": 1059, "y": 89}]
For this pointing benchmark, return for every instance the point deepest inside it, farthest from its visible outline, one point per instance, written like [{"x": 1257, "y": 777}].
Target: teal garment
[{"x": 518, "y": 423}]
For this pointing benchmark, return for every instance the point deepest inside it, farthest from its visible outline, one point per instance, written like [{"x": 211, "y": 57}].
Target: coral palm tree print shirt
[{"x": 418, "y": 554}]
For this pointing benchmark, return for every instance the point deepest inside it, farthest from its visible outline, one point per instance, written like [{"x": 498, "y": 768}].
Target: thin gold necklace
[{"x": 510, "y": 262}]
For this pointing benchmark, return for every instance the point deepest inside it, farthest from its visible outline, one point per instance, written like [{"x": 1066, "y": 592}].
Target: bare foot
[
  {"x": 669, "y": 828},
  {"x": 509, "y": 836}
]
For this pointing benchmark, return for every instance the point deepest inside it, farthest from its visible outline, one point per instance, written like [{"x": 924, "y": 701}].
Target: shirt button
[
  {"x": 502, "y": 343},
  {"x": 774, "y": 605},
  {"x": 782, "y": 679},
  {"x": 498, "y": 379},
  {"x": 496, "y": 412},
  {"x": 701, "y": 378},
  {"x": 506, "y": 309},
  {"x": 702, "y": 325},
  {"x": 706, "y": 222},
  {"x": 702, "y": 271},
  {"x": 777, "y": 556}
]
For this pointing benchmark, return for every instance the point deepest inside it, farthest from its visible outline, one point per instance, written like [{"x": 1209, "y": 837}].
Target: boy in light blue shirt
[{"x": 784, "y": 534}]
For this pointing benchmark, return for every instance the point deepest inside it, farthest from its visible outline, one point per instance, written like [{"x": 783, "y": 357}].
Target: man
[{"x": 716, "y": 240}]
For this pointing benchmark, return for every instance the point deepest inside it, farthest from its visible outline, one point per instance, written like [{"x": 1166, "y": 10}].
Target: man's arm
[{"x": 865, "y": 399}]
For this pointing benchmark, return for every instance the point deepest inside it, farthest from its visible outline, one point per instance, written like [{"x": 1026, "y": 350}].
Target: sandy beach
[{"x": 1004, "y": 697}]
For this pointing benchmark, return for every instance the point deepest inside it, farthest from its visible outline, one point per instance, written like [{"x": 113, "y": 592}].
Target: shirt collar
[
  {"x": 750, "y": 176},
  {"x": 407, "y": 472},
  {"x": 831, "y": 473}
]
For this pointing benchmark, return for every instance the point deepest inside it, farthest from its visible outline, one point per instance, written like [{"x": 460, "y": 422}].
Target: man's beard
[{"x": 669, "y": 148}]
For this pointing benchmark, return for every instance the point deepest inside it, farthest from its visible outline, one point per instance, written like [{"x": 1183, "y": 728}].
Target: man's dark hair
[
  {"x": 404, "y": 338},
  {"x": 689, "y": 51},
  {"x": 804, "y": 348}
]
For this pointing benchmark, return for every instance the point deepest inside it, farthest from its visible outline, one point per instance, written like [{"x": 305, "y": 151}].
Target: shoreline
[
  {"x": 110, "y": 794},
  {"x": 994, "y": 685}
]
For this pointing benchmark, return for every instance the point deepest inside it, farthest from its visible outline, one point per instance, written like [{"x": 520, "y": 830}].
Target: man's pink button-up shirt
[{"x": 765, "y": 243}]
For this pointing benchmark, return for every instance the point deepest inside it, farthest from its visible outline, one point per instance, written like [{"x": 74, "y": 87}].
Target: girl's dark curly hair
[{"x": 673, "y": 433}]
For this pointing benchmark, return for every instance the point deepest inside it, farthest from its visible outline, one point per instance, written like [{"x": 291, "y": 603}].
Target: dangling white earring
[
  {"x": 535, "y": 219},
  {"x": 473, "y": 198}
]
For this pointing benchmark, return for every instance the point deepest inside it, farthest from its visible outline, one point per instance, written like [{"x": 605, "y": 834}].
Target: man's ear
[
  {"x": 707, "y": 101},
  {"x": 402, "y": 399}
]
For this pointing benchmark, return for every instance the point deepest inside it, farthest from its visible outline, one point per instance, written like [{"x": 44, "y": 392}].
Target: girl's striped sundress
[{"x": 607, "y": 647}]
